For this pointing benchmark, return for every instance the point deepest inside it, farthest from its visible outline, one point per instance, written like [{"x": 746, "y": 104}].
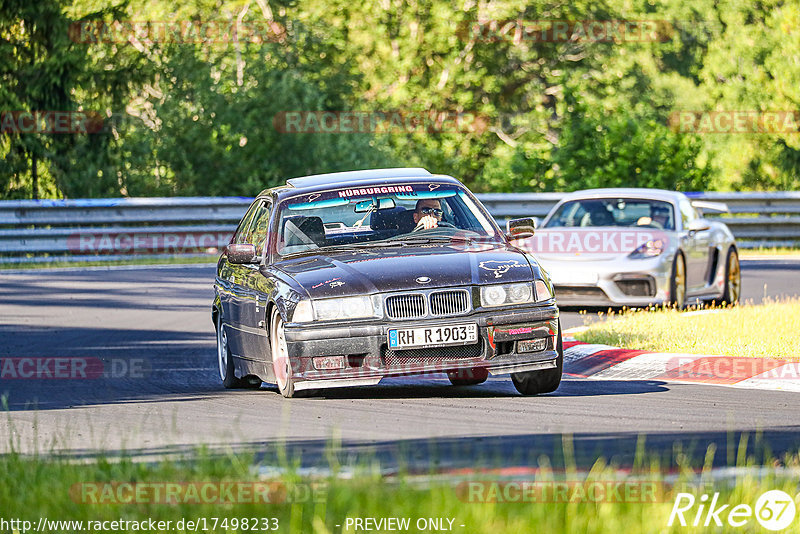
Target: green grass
[
  {"x": 769, "y": 251},
  {"x": 34, "y": 487},
  {"x": 768, "y": 330},
  {"x": 177, "y": 260}
]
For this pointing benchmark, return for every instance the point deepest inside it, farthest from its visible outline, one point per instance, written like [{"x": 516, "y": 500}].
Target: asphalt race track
[{"x": 150, "y": 332}]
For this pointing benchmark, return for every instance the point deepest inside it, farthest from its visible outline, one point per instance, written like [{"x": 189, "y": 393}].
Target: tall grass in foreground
[
  {"x": 768, "y": 330},
  {"x": 55, "y": 488}
]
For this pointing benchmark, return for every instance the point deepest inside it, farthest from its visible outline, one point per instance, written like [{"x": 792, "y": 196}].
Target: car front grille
[
  {"x": 431, "y": 303},
  {"x": 411, "y": 306},
  {"x": 432, "y": 356},
  {"x": 450, "y": 302}
]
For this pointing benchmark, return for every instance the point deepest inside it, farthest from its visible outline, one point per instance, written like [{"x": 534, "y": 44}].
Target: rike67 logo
[{"x": 774, "y": 510}]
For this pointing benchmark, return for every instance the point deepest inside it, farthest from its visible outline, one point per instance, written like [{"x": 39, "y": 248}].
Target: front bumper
[
  {"x": 627, "y": 282},
  {"x": 368, "y": 359}
]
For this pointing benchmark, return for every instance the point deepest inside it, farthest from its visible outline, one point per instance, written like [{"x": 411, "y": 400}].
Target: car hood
[{"x": 342, "y": 273}]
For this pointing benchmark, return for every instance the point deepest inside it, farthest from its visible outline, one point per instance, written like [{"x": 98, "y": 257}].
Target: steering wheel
[{"x": 441, "y": 224}]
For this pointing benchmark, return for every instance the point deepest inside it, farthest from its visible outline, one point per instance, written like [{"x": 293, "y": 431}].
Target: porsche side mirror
[
  {"x": 520, "y": 228},
  {"x": 242, "y": 254}
]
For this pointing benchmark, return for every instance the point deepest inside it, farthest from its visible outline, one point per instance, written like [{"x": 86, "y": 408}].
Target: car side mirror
[
  {"x": 242, "y": 254},
  {"x": 698, "y": 225},
  {"x": 520, "y": 228}
]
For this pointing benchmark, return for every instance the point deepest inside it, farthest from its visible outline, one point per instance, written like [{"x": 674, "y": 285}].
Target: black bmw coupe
[{"x": 343, "y": 279}]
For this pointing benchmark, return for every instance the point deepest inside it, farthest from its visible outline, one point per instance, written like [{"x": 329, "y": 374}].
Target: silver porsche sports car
[{"x": 636, "y": 247}]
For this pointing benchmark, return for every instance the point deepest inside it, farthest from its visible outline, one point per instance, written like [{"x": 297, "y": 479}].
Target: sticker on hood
[{"x": 499, "y": 268}]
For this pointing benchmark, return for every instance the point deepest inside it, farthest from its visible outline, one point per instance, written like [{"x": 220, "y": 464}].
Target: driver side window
[
  {"x": 244, "y": 225},
  {"x": 256, "y": 230},
  {"x": 260, "y": 228},
  {"x": 688, "y": 213}
]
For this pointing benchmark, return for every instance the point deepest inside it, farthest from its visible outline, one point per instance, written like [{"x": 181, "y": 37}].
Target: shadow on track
[
  {"x": 437, "y": 386},
  {"x": 443, "y": 454}
]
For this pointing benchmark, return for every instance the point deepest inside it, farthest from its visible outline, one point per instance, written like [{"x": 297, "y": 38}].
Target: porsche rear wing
[{"x": 702, "y": 205}]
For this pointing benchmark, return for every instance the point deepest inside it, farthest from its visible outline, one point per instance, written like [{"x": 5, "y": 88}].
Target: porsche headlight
[
  {"x": 506, "y": 294},
  {"x": 335, "y": 309},
  {"x": 648, "y": 249}
]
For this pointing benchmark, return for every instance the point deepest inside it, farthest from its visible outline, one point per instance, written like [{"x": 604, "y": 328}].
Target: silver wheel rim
[
  {"x": 680, "y": 282},
  {"x": 222, "y": 350},
  {"x": 280, "y": 354},
  {"x": 734, "y": 279}
]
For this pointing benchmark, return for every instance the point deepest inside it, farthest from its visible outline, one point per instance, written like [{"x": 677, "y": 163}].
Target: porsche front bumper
[{"x": 625, "y": 282}]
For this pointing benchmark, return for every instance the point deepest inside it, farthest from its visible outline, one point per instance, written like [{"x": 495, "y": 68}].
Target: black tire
[
  {"x": 733, "y": 278},
  {"x": 546, "y": 381},
  {"x": 225, "y": 361},
  {"x": 677, "y": 283},
  {"x": 281, "y": 364},
  {"x": 468, "y": 377}
]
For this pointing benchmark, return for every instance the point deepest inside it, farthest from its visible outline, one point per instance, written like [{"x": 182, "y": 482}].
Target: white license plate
[{"x": 433, "y": 336}]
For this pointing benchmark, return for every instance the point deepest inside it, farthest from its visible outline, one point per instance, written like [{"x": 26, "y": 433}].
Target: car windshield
[
  {"x": 381, "y": 215},
  {"x": 629, "y": 212}
]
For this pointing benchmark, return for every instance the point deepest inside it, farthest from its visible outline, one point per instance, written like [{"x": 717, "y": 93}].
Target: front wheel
[
  {"x": 281, "y": 365},
  {"x": 677, "y": 286},
  {"x": 546, "y": 381},
  {"x": 733, "y": 278},
  {"x": 225, "y": 360}
]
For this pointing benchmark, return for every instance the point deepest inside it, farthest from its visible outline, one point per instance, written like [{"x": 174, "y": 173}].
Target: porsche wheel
[
  {"x": 537, "y": 382},
  {"x": 281, "y": 365},
  {"x": 733, "y": 278},
  {"x": 677, "y": 286},
  {"x": 468, "y": 377}
]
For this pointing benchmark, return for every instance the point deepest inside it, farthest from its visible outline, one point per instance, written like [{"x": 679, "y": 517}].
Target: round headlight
[
  {"x": 494, "y": 295},
  {"x": 357, "y": 307},
  {"x": 327, "y": 309},
  {"x": 519, "y": 293}
]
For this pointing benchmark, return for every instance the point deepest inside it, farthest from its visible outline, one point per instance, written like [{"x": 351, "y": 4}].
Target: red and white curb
[{"x": 604, "y": 362}]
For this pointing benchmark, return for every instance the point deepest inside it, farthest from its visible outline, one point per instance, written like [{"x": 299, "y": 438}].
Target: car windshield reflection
[{"x": 418, "y": 215}]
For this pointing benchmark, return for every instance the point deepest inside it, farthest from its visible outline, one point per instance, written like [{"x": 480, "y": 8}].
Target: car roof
[
  {"x": 356, "y": 176},
  {"x": 349, "y": 179},
  {"x": 629, "y": 192}
]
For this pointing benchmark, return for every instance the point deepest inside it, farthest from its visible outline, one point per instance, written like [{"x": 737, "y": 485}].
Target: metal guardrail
[{"x": 91, "y": 229}]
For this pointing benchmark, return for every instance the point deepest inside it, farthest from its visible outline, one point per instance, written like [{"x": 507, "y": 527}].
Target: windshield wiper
[
  {"x": 366, "y": 244},
  {"x": 401, "y": 242}
]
